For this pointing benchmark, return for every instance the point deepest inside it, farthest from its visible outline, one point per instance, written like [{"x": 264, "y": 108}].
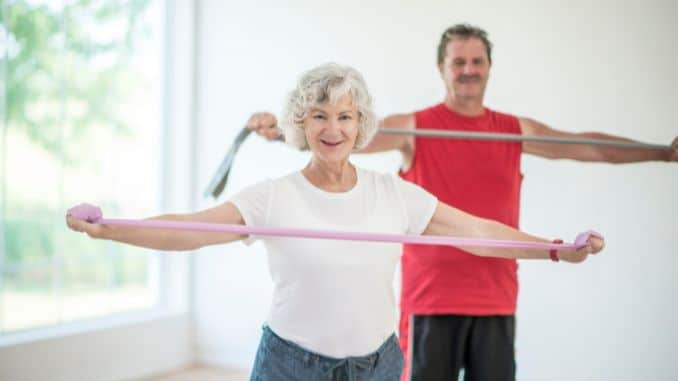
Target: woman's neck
[{"x": 331, "y": 177}]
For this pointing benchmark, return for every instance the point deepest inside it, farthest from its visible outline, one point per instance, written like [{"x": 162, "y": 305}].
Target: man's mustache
[{"x": 468, "y": 78}]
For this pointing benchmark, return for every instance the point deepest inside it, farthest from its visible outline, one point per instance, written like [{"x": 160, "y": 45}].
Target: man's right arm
[{"x": 388, "y": 142}]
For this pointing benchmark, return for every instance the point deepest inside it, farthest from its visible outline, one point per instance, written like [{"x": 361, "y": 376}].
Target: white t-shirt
[{"x": 334, "y": 297}]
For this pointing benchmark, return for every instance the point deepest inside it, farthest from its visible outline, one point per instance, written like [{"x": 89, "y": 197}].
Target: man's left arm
[{"x": 589, "y": 152}]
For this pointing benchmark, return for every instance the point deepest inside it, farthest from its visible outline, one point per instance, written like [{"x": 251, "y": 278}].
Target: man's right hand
[{"x": 264, "y": 124}]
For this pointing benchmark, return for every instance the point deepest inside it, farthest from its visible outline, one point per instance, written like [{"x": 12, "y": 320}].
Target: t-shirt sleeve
[
  {"x": 419, "y": 205},
  {"x": 253, "y": 203}
]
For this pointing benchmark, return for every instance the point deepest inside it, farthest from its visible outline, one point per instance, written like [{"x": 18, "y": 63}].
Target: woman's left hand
[{"x": 594, "y": 244}]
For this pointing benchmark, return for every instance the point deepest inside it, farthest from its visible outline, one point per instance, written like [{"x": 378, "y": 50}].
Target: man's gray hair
[
  {"x": 327, "y": 84},
  {"x": 463, "y": 31}
]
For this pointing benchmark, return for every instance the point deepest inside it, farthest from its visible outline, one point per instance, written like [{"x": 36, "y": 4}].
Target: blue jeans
[{"x": 279, "y": 359}]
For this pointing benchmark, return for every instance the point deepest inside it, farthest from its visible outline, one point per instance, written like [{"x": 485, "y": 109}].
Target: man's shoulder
[
  {"x": 399, "y": 121},
  {"x": 503, "y": 118},
  {"x": 500, "y": 114},
  {"x": 432, "y": 108}
]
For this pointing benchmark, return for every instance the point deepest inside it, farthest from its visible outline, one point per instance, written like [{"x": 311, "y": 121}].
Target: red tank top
[{"x": 479, "y": 177}]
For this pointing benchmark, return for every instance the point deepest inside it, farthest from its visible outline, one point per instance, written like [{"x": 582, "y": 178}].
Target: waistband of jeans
[{"x": 272, "y": 340}]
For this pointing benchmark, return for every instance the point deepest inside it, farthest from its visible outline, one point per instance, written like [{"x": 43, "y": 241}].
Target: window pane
[
  {"x": 82, "y": 123},
  {"x": 28, "y": 298}
]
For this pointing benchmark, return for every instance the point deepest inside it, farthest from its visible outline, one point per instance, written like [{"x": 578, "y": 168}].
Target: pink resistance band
[{"x": 92, "y": 214}]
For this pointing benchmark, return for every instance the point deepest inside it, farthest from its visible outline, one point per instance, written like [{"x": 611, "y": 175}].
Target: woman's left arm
[{"x": 450, "y": 221}]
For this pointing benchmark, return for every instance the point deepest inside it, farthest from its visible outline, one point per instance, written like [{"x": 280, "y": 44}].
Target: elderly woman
[{"x": 333, "y": 311}]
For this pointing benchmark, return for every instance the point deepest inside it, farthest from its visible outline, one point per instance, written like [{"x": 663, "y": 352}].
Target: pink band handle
[{"x": 92, "y": 214}]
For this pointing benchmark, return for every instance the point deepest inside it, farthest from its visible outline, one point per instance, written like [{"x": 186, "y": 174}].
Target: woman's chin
[{"x": 331, "y": 156}]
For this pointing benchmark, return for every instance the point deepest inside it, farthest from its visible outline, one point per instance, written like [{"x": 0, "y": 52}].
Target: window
[{"x": 80, "y": 112}]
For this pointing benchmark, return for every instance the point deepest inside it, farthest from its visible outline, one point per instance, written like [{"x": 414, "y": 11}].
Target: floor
[{"x": 204, "y": 373}]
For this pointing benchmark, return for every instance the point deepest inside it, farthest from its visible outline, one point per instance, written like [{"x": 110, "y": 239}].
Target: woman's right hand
[
  {"x": 265, "y": 124},
  {"x": 79, "y": 218}
]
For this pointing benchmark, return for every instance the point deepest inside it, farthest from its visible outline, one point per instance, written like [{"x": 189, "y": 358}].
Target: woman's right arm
[{"x": 166, "y": 239}]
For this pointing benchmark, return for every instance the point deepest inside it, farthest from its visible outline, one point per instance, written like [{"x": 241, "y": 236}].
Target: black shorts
[{"x": 441, "y": 345}]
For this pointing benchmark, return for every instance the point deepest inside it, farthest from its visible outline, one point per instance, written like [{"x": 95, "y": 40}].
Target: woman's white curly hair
[{"x": 327, "y": 84}]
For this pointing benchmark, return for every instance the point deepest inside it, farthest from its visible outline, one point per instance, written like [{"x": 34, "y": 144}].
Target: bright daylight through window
[{"x": 81, "y": 121}]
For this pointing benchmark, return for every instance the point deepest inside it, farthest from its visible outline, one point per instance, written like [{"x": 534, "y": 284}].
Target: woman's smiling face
[{"x": 331, "y": 129}]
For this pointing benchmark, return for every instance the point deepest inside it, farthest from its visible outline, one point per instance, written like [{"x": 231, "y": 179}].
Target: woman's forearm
[
  {"x": 493, "y": 229},
  {"x": 165, "y": 239},
  {"x": 451, "y": 221}
]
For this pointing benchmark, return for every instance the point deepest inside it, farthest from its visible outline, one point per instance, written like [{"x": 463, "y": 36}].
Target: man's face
[{"x": 465, "y": 68}]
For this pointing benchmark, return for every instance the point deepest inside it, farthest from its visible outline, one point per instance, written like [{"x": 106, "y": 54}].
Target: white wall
[
  {"x": 120, "y": 352},
  {"x": 606, "y": 67}
]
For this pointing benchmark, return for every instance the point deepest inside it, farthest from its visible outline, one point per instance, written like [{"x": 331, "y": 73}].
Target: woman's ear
[{"x": 304, "y": 145}]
